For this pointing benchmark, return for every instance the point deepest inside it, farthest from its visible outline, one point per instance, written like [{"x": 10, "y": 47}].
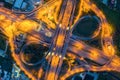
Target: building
[
  {"x": 21, "y": 5},
  {"x": 105, "y": 2},
  {"x": 113, "y": 4},
  {"x": 25, "y": 5},
  {"x": 15, "y": 72},
  {"x": 18, "y": 4}
]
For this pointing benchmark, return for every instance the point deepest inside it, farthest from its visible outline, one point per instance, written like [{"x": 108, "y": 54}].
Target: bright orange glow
[
  {"x": 40, "y": 73},
  {"x": 51, "y": 76},
  {"x": 2, "y": 17},
  {"x": 60, "y": 40},
  {"x": 78, "y": 45},
  {"x": 27, "y": 25},
  {"x": 94, "y": 54},
  {"x": 71, "y": 55},
  {"x": 48, "y": 13},
  {"x": 56, "y": 12},
  {"x": 54, "y": 63},
  {"x": 3, "y": 21},
  {"x": 80, "y": 11}
]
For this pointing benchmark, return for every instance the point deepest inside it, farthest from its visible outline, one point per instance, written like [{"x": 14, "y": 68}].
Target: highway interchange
[{"x": 62, "y": 42}]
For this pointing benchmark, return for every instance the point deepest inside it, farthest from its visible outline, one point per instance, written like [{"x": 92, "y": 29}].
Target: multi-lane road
[
  {"x": 63, "y": 42},
  {"x": 61, "y": 35}
]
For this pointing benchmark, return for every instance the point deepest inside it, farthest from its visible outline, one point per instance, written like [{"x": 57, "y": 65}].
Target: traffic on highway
[{"x": 60, "y": 20}]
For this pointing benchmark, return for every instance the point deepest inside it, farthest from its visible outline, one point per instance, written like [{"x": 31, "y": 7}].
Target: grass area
[
  {"x": 34, "y": 52},
  {"x": 105, "y": 76},
  {"x": 86, "y": 27}
]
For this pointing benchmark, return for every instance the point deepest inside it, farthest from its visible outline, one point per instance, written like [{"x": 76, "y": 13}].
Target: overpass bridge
[{"x": 63, "y": 43}]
